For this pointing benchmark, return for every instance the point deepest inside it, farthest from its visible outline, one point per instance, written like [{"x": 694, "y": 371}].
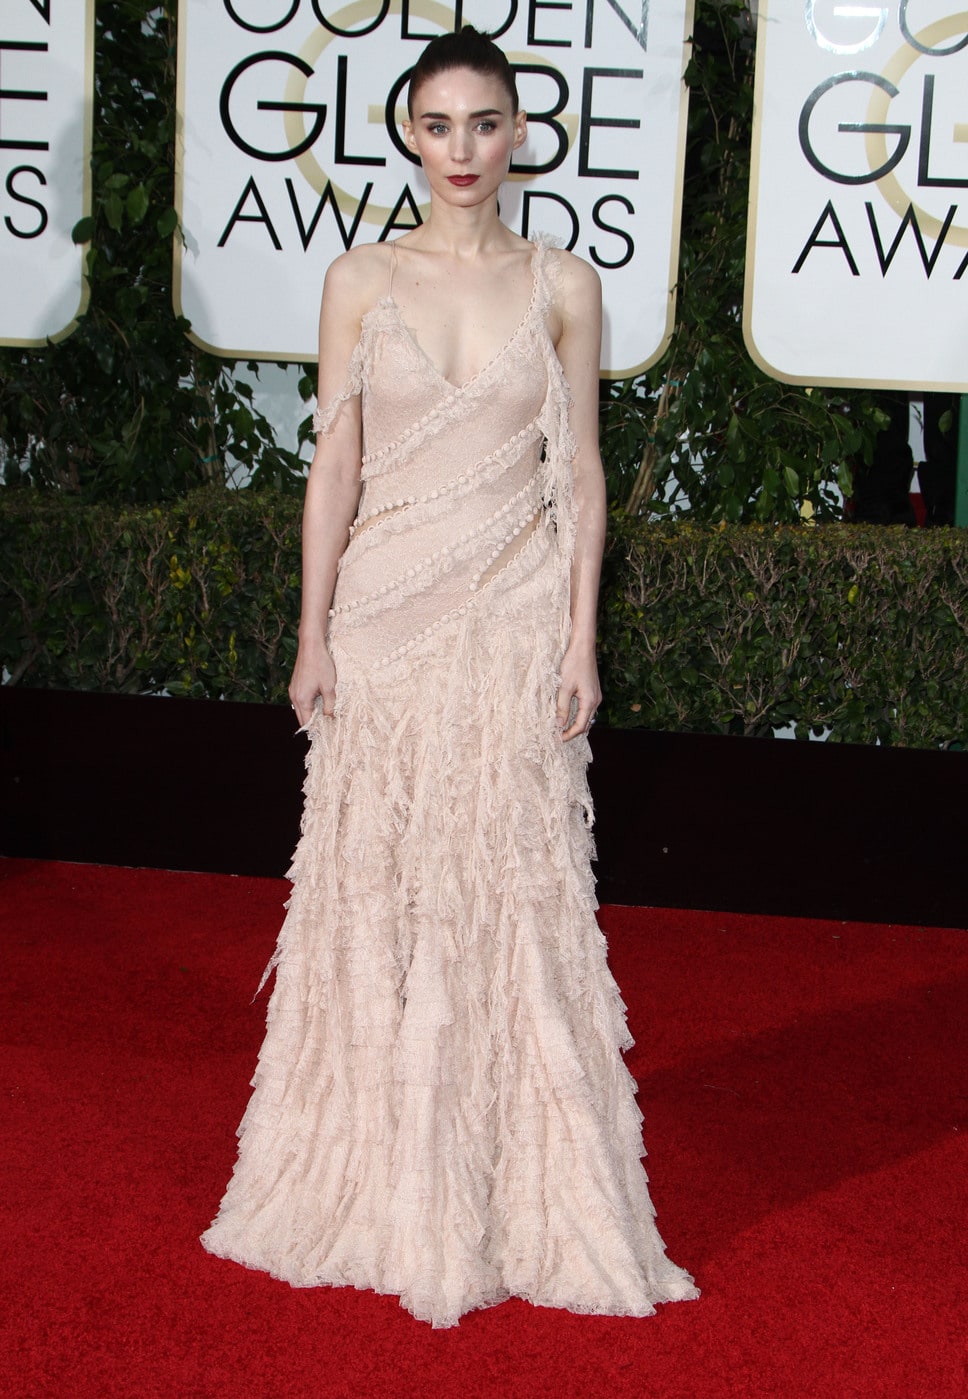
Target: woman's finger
[
  {"x": 579, "y": 725},
  {"x": 563, "y": 707},
  {"x": 582, "y": 721},
  {"x": 304, "y": 708},
  {"x": 328, "y": 697}
]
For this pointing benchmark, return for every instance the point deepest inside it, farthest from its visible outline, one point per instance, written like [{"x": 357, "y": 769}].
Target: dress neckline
[{"x": 390, "y": 302}]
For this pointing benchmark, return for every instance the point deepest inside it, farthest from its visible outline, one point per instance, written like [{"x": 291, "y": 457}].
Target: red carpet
[{"x": 804, "y": 1092}]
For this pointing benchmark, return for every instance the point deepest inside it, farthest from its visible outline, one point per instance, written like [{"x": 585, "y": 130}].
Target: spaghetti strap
[{"x": 393, "y": 268}]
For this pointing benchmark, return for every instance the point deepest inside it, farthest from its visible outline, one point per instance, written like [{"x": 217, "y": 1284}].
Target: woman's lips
[{"x": 462, "y": 181}]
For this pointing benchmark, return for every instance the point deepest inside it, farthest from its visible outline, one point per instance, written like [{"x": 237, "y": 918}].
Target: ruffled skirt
[{"x": 441, "y": 1110}]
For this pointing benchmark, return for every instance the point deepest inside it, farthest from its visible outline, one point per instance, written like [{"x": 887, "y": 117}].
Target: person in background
[{"x": 937, "y": 474}]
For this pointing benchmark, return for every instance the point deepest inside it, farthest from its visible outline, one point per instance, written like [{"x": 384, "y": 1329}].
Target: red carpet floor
[{"x": 804, "y": 1092}]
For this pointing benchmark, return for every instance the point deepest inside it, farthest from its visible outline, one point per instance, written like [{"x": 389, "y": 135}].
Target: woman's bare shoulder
[
  {"x": 357, "y": 279},
  {"x": 578, "y": 276},
  {"x": 579, "y": 291}
]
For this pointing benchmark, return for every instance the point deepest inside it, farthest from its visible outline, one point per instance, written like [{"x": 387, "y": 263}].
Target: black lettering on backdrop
[
  {"x": 639, "y": 32},
  {"x": 884, "y": 258},
  {"x": 533, "y": 7},
  {"x": 13, "y": 94},
  {"x": 327, "y": 197},
  {"x": 926, "y": 180},
  {"x": 251, "y": 26},
  {"x": 546, "y": 118},
  {"x": 262, "y": 216},
  {"x": 232, "y": 131},
  {"x": 528, "y": 198},
  {"x": 909, "y": 220},
  {"x": 407, "y": 33},
  {"x": 588, "y": 121},
  {"x": 260, "y": 28},
  {"x": 902, "y": 19},
  {"x": 903, "y": 133},
  {"x": 483, "y": 21},
  {"x": 390, "y": 120},
  {"x": 815, "y": 241},
  {"x": 351, "y": 33},
  {"x": 422, "y": 36},
  {"x": 594, "y": 218},
  {"x": 879, "y": 18},
  {"x": 43, "y": 9},
  {"x": 392, "y": 223},
  {"x": 599, "y": 222},
  {"x": 21, "y": 198},
  {"x": 342, "y": 158},
  {"x": 489, "y": 22},
  {"x": 257, "y": 205}
]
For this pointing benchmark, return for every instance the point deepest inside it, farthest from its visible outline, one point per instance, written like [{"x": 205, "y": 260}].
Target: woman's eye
[
  {"x": 437, "y": 129},
  {"x": 487, "y": 126}
]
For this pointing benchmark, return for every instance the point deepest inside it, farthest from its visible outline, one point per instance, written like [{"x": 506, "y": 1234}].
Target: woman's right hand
[{"x": 313, "y": 676}]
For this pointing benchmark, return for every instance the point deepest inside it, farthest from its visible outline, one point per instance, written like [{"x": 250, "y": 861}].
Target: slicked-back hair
[{"x": 467, "y": 49}]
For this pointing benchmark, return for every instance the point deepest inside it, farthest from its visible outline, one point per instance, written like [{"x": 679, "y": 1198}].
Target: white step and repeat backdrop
[
  {"x": 857, "y": 254},
  {"x": 46, "y": 101},
  {"x": 290, "y": 153}
]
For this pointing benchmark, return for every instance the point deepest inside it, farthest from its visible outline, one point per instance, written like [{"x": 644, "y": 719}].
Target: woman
[{"x": 441, "y": 1110}]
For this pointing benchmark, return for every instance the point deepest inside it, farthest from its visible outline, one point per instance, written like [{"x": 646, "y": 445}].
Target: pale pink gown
[{"x": 441, "y": 1110}]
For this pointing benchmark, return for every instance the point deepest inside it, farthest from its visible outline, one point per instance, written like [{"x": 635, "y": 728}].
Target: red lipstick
[{"x": 462, "y": 181}]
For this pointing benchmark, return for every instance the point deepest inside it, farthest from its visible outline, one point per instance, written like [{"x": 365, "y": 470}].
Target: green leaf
[
  {"x": 114, "y": 211},
  {"x": 137, "y": 204},
  {"x": 167, "y": 223},
  {"x": 83, "y": 230}
]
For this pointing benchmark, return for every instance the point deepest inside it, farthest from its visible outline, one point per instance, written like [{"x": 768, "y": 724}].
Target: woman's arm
[
  {"x": 332, "y": 491},
  {"x": 579, "y": 350}
]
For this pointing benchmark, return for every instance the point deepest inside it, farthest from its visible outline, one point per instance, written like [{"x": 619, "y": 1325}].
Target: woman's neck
[{"x": 462, "y": 233}]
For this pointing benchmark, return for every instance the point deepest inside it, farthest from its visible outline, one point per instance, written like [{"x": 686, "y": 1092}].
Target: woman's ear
[
  {"x": 520, "y": 130},
  {"x": 408, "y": 135}
]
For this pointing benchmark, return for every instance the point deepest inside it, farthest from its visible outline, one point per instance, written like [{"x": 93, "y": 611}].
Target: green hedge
[
  {"x": 862, "y": 631},
  {"x": 198, "y": 597},
  {"x": 859, "y": 631}
]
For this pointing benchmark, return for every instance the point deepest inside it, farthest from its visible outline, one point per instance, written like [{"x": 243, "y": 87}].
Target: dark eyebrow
[{"x": 443, "y": 116}]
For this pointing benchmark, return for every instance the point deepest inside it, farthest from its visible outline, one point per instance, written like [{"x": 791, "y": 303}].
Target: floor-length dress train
[{"x": 440, "y": 1108}]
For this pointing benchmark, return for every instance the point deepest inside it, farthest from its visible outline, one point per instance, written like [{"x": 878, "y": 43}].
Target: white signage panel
[
  {"x": 857, "y": 257},
  {"x": 291, "y": 152},
  {"x": 46, "y": 104}
]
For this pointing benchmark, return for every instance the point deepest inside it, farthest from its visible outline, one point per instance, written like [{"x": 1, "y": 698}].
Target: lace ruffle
[{"x": 324, "y": 417}]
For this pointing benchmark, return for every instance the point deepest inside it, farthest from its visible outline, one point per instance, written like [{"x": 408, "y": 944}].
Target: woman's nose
[{"x": 460, "y": 146}]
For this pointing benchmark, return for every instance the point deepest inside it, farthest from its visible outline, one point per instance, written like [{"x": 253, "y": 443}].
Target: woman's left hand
[{"x": 579, "y": 682}]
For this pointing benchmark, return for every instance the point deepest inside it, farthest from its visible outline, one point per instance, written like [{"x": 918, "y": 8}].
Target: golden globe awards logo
[
  {"x": 920, "y": 62},
  {"x": 292, "y": 152},
  {"x": 46, "y": 82},
  {"x": 862, "y": 137}
]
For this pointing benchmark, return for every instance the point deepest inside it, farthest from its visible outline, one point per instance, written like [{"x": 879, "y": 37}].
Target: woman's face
[{"x": 464, "y": 132}]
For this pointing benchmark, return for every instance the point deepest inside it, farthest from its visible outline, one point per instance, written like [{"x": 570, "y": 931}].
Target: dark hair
[{"x": 467, "y": 49}]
